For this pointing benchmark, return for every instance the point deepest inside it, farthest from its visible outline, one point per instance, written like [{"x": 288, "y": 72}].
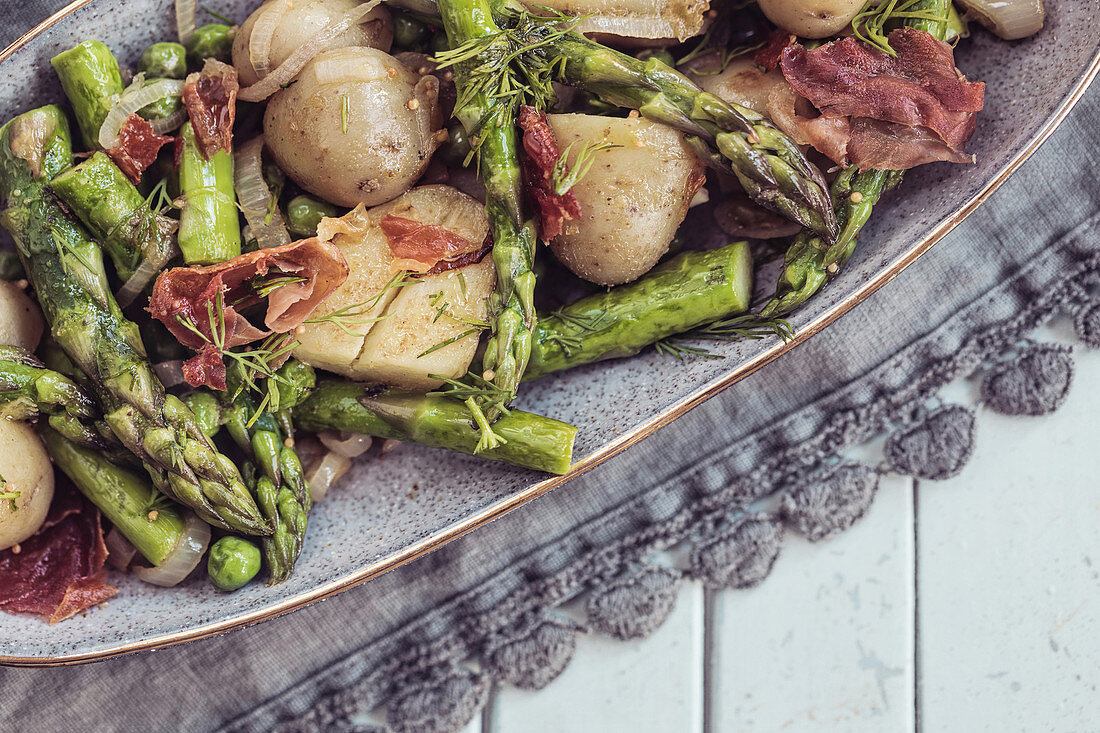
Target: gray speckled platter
[{"x": 389, "y": 511}]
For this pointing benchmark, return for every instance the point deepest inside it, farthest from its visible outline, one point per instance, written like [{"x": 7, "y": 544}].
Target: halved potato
[
  {"x": 409, "y": 318},
  {"x": 21, "y": 321},
  {"x": 408, "y": 347},
  {"x": 28, "y": 477},
  {"x": 632, "y": 199}
]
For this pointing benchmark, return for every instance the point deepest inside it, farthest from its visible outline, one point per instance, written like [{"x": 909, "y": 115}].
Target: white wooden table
[{"x": 966, "y": 605}]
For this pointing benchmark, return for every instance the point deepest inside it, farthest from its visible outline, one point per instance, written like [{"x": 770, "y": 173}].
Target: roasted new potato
[
  {"x": 398, "y": 325},
  {"x": 20, "y": 319},
  {"x": 357, "y": 127},
  {"x": 27, "y": 486},
  {"x": 632, "y": 199},
  {"x": 296, "y": 21},
  {"x": 811, "y": 18}
]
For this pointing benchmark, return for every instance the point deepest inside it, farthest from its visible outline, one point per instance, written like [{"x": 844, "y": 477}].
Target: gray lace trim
[{"x": 438, "y": 675}]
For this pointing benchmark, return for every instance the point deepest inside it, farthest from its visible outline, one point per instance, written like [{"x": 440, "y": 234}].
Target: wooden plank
[
  {"x": 826, "y": 642},
  {"x": 654, "y": 684},
  {"x": 1009, "y": 575}
]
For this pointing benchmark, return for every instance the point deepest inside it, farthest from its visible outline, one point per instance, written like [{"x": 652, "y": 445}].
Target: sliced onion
[
  {"x": 134, "y": 98},
  {"x": 701, "y": 197},
  {"x": 153, "y": 261},
  {"x": 302, "y": 55},
  {"x": 170, "y": 373},
  {"x": 185, "y": 20},
  {"x": 328, "y": 471},
  {"x": 1009, "y": 19},
  {"x": 171, "y": 123},
  {"x": 259, "y": 41},
  {"x": 389, "y": 444},
  {"x": 349, "y": 445},
  {"x": 183, "y": 558},
  {"x": 119, "y": 550},
  {"x": 265, "y": 220}
]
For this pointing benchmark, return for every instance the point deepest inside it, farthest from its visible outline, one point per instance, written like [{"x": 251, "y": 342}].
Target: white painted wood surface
[{"x": 966, "y": 605}]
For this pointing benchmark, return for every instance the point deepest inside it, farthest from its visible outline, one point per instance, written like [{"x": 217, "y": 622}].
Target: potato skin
[
  {"x": 21, "y": 321},
  {"x": 300, "y": 22},
  {"x": 392, "y": 121},
  {"x": 811, "y": 18},
  {"x": 386, "y": 351},
  {"x": 26, "y": 469},
  {"x": 632, "y": 199}
]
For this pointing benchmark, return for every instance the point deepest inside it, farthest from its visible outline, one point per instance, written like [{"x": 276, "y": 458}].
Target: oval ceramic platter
[{"x": 387, "y": 512}]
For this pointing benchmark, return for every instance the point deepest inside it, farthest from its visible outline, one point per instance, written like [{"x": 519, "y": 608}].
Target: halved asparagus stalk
[
  {"x": 692, "y": 289},
  {"x": 210, "y": 230},
  {"x": 66, "y": 268},
  {"x": 115, "y": 212},
  {"x": 125, "y": 498},
  {"x": 91, "y": 79},
  {"x": 533, "y": 441}
]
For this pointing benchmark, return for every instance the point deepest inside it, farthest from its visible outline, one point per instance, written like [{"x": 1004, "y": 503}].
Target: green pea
[
  {"x": 164, "y": 60},
  {"x": 408, "y": 32},
  {"x": 454, "y": 152},
  {"x": 211, "y": 41},
  {"x": 232, "y": 562},
  {"x": 304, "y": 213}
]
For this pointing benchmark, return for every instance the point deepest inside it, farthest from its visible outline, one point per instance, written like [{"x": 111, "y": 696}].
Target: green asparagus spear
[
  {"x": 532, "y": 441},
  {"x": 281, "y": 490},
  {"x": 91, "y": 79},
  {"x": 769, "y": 165},
  {"x": 125, "y": 498},
  {"x": 29, "y": 390},
  {"x": 687, "y": 291},
  {"x": 491, "y": 119},
  {"x": 163, "y": 60},
  {"x": 115, "y": 213},
  {"x": 810, "y": 262},
  {"x": 209, "y": 228},
  {"x": 66, "y": 267}
]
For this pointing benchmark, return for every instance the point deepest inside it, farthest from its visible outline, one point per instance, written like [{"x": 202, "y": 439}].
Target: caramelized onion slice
[{"x": 183, "y": 559}]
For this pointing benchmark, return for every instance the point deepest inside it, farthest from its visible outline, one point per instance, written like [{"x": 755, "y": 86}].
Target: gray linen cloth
[{"x": 423, "y": 644}]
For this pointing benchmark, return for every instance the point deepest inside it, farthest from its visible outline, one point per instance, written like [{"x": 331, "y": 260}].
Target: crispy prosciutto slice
[
  {"x": 137, "y": 148},
  {"x": 540, "y": 154},
  {"x": 210, "y": 97},
  {"x": 184, "y": 297},
  {"x": 58, "y": 572},
  {"x": 900, "y": 111},
  {"x": 427, "y": 248}
]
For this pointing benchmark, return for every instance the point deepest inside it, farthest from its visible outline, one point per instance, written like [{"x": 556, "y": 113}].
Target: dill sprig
[
  {"x": 265, "y": 285},
  {"x": 257, "y": 365},
  {"x": 564, "y": 176},
  {"x": 870, "y": 24},
  {"x": 10, "y": 496},
  {"x": 479, "y": 395},
  {"x": 356, "y": 313},
  {"x": 750, "y": 326},
  {"x": 503, "y": 67}
]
